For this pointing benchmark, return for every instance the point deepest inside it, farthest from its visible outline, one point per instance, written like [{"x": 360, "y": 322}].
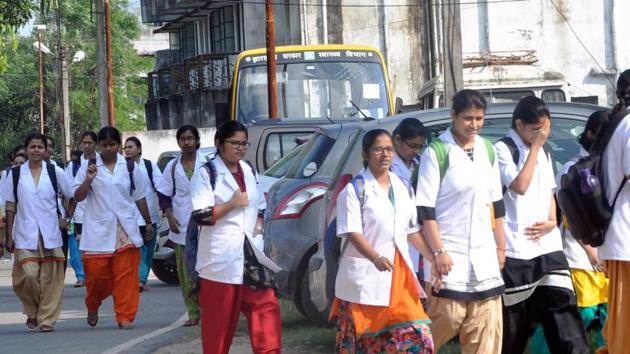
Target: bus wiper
[{"x": 359, "y": 110}]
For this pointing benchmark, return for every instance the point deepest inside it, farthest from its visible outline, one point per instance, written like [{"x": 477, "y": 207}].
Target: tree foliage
[{"x": 19, "y": 95}]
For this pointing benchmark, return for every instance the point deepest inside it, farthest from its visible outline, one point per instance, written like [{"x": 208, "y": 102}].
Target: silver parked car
[{"x": 305, "y": 244}]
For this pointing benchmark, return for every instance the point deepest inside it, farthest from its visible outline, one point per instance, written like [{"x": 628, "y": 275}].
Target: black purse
[{"x": 255, "y": 275}]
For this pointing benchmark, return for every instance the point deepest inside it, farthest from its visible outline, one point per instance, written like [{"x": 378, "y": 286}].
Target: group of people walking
[{"x": 443, "y": 237}]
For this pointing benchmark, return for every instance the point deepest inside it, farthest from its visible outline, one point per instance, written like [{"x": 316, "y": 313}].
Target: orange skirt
[{"x": 404, "y": 318}]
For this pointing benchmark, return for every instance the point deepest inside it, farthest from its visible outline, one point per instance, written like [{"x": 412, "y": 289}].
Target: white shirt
[
  {"x": 575, "y": 253},
  {"x": 463, "y": 210},
  {"x": 151, "y": 196},
  {"x": 182, "y": 200},
  {"x": 110, "y": 202},
  {"x": 36, "y": 211},
  {"x": 523, "y": 211},
  {"x": 220, "y": 255},
  {"x": 384, "y": 226},
  {"x": 404, "y": 173},
  {"x": 616, "y": 164}
]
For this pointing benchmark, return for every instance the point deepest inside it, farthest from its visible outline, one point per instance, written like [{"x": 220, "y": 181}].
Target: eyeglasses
[
  {"x": 380, "y": 150},
  {"x": 238, "y": 144},
  {"x": 419, "y": 147}
]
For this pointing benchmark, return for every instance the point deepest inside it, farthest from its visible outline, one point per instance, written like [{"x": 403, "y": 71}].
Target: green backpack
[{"x": 441, "y": 152}]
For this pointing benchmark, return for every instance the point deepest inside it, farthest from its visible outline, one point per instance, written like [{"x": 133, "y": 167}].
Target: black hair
[
  {"x": 368, "y": 141},
  {"x": 109, "y": 133},
  {"x": 49, "y": 138},
  {"x": 465, "y": 99},
  {"x": 623, "y": 91},
  {"x": 35, "y": 136},
  {"x": 17, "y": 149},
  {"x": 91, "y": 134},
  {"x": 227, "y": 130},
  {"x": 20, "y": 154},
  {"x": 189, "y": 128},
  {"x": 529, "y": 110},
  {"x": 136, "y": 141},
  {"x": 76, "y": 153},
  {"x": 410, "y": 128},
  {"x": 595, "y": 121}
]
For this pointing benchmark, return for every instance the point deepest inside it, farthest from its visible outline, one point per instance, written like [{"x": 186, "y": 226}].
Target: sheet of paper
[
  {"x": 371, "y": 92},
  {"x": 261, "y": 257}
]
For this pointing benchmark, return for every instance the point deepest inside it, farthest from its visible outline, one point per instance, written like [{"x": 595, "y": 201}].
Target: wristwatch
[{"x": 439, "y": 251}]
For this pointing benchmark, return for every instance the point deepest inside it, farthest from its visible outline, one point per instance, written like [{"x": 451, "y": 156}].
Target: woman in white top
[
  {"x": 410, "y": 139},
  {"x": 174, "y": 193},
  {"x": 615, "y": 250},
  {"x": 34, "y": 233},
  {"x": 114, "y": 191},
  {"x": 133, "y": 150},
  {"x": 536, "y": 274},
  {"x": 229, "y": 203},
  {"x": 377, "y": 296},
  {"x": 461, "y": 208}
]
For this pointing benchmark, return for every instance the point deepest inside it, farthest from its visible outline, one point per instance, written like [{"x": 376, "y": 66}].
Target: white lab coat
[
  {"x": 182, "y": 200},
  {"x": 108, "y": 203},
  {"x": 384, "y": 227},
  {"x": 220, "y": 255},
  {"x": 36, "y": 208},
  {"x": 152, "y": 198},
  {"x": 463, "y": 202}
]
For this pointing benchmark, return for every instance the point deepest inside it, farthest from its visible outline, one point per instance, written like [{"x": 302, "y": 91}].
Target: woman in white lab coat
[
  {"x": 34, "y": 234},
  {"x": 377, "y": 296},
  {"x": 114, "y": 191},
  {"x": 230, "y": 211},
  {"x": 174, "y": 193},
  {"x": 461, "y": 208}
]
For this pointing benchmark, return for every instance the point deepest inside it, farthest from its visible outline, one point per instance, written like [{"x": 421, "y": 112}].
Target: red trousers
[
  {"x": 115, "y": 275},
  {"x": 221, "y": 305}
]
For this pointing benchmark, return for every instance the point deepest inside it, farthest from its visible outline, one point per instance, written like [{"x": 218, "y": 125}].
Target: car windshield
[
  {"x": 310, "y": 157},
  {"x": 314, "y": 90}
]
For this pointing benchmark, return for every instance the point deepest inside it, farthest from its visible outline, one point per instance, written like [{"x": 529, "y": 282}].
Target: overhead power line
[{"x": 311, "y": 4}]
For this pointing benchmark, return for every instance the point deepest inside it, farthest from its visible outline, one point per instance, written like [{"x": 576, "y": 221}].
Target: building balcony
[
  {"x": 163, "y": 11},
  {"x": 201, "y": 73}
]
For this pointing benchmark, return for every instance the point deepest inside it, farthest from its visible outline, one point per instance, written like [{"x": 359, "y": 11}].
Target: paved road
[{"x": 160, "y": 308}]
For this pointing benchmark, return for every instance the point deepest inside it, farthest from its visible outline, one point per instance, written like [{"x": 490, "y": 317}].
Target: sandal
[
  {"x": 92, "y": 319},
  {"x": 79, "y": 284},
  {"x": 125, "y": 325},
  {"x": 191, "y": 323},
  {"x": 45, "y": 328},
  {"x": 31, "y": 323}
]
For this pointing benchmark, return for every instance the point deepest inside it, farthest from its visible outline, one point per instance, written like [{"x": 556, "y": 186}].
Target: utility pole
[
  {"x": 101, "y": 63},
  {"x": 65, "y": 102},
  {"x": 111, "y": 118},
  {"x": 272, "y": 93},
  {"x": 40, "y": 29},
  {"x": 452, "y": 50}
]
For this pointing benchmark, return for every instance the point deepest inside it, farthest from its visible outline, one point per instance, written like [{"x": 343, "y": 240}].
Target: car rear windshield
[{"x": 310, "y": 157}]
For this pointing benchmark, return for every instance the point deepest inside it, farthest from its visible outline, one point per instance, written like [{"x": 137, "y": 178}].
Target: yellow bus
[{"x": 314, "y": 81}]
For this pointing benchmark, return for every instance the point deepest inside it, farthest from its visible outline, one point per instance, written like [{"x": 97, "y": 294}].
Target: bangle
[
  {"x": 439, "y": 251},
  {"x": 500, "y": 249}
]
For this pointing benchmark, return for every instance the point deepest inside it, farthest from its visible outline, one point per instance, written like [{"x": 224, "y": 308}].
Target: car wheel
[
  {"x": 309, "y": 310},
  {"x": 166, "y": 270}
]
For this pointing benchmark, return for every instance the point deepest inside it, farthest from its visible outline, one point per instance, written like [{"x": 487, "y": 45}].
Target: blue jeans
[
  {"x": 75, "y": 255},
  {"x": 146, "y": 255}
]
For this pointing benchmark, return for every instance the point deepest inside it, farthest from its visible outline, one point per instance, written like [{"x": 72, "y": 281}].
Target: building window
[
  {"x": 187, "y": 41},
  {"x": 223, "y": 29}
]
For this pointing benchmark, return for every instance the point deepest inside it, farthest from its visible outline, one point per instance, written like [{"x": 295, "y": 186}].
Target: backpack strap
[
  {"x": 149, "y": 166},
  {"x": 441, "y": 153},
  {"x": 75, "y": 168},
  {"x": 15, "y": 173},
  {"x": 489, "y": 149},
  {"x": 52, "y": 174},
  {"x": 173, "y": 167},
  {"x": 130, "y": 167},
  {"x": 511, "y": 145},
  {"x": 212, "y": 172}
]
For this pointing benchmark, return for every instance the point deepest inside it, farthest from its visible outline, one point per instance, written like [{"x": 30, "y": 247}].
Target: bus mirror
[{"x": 398, "y": 107}]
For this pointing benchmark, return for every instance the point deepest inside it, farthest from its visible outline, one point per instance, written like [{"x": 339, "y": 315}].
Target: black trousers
[
  {"x": 556, "y": 310},
  {"x": 64, "y": 248}
]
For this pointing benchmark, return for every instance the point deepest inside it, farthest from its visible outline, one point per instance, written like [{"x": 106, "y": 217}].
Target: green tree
[{"x": 19, "y": 84}]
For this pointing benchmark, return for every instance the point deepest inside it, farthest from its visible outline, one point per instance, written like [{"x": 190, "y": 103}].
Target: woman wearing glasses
[
  {"x": 174, "y": 194},
  {"x": 229, "y": 203},
  {"x": 377, "y": 305},
  {"x": 410, "y": 138}
]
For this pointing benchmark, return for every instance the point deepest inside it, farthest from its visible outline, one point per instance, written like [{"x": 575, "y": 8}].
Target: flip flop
[
  {"x": 191, "y": 323},
  {"x": 31, "y": 323},
  {"x": 92, "y": 319},
  {"x": 125, "y": 325},
  {"x": 45, "y": 328}
]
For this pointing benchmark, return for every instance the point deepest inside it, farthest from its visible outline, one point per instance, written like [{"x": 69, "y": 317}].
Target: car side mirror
[{"x": 398, "y": 106}]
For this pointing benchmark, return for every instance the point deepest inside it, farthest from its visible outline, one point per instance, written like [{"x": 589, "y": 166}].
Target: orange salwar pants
[
  {"x": 115, "y": 275},
  {"x": 617, "y": 324}
]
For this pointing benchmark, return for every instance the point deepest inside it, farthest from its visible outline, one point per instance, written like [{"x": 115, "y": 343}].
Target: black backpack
[
  {"x": 52, "y": 174},
  {"x": 149, "y": 167},
  {"x": 581, "y": 196}
]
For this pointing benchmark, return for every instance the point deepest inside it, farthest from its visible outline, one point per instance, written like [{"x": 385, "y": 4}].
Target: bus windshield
[{"x": 314, "y": 89}]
